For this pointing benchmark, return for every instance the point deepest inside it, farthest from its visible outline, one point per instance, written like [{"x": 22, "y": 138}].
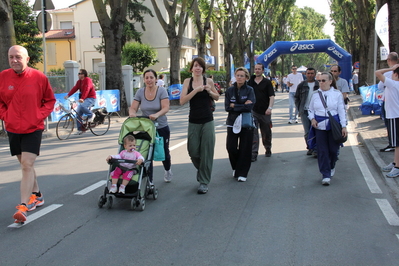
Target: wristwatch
[{"x": 271, "y": 108}]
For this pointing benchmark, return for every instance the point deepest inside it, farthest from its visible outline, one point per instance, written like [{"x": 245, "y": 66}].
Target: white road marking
[
  {"x": 37, "y": 214},
  {"x": 178, "y": 145},
  {"x": 388, "y": 211},
  {"x": 91, "y": 188},
  {"x": 368, "y": 177}
]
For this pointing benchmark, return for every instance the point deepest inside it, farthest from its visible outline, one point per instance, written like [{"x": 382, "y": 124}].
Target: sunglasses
[
  {"x": 80, "y": 73},
  {"x": 293, "y": 68},
  {"x": 334, "y": 70},
  {"x": 322, "y": 80}
]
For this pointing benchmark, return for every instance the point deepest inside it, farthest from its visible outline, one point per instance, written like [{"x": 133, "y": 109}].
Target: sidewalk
[{"x": 372, "y": 133}]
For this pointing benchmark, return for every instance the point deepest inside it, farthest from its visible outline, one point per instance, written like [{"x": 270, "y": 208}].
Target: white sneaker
[
  {"x": 168, "y": 176},
  {"x": 113, "y": 189},
  {"x": 242, "y": 179},
  {"x": 388, "y": 168},
  {"x": 333, "y": 172},
  {"x": 290, "y": 121},
  {"x": 296, "y": 121},
  {"x": 122, "y": 189},
  {"x": 91, "y": 119},
  {"x": 326, "y": 181},
  {"x": 394, "y": 173},
  {"x": 79, "y": 132}
]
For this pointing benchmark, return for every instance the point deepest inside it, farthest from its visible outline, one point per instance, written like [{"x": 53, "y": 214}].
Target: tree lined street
[{"x": 282, "y": 215}]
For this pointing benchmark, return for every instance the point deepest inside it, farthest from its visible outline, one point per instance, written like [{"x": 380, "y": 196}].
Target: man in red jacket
[
  {"x": 87, "y": 98},
  {"x": 26, "y": 99}
]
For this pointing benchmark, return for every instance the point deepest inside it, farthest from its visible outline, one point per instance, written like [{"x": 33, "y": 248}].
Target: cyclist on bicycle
[{"x": 87, "y": 98}]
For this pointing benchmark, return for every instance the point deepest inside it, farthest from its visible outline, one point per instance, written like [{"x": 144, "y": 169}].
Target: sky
[{"x": 321, "y": 7}]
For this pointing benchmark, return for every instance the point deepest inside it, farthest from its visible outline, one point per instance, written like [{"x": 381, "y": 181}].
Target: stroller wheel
[
  {"x": 142, "y": 204},
  {"x": 110, "y": 201},
  {"x": 155, "y": 194},
  {"x": 101, "y": 201},
  {"x": 133, "y": 203}
]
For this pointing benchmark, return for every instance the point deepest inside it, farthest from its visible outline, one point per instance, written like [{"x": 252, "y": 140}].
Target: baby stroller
[{"x": 139, "y": 187}]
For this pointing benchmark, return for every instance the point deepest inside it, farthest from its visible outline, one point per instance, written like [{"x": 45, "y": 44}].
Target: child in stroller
[{"x": 125, "y": 169}]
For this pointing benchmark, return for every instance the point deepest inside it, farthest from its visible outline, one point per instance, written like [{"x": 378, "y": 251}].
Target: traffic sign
[
  {"x": 48, "y": 5},
  {"x": 47, "y": 25},
  {"x": 356, "y": 65}
]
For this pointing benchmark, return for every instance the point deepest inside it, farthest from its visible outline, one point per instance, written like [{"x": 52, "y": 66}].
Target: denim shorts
[{"x": 25, "y": 142}]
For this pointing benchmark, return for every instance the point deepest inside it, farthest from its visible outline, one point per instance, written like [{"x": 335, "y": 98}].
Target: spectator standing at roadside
[
  {"x": 391, "y": 61},
  {"x": 26, "y": 99},
  {"x": 355, "y": 81},
  {"x": 293, "y": 80},
  {"x": 392, "y": 114},
  {"x": 160, "y": 81},
  {"x": 303, "y": 96},
  {"x": 262, "y": 111}
]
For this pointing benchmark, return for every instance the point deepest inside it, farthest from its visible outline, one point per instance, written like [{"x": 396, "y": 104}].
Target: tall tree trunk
[
  {"x": 112, "y": 29},
  {"x": 7, "y": 33},
  {"x": 393, "y": 22}
]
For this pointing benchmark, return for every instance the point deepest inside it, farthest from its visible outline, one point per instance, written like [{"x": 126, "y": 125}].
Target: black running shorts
[{"x": 25, "y": 142}]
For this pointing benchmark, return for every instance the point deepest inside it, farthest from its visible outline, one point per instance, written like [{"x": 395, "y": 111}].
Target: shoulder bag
[{"x": 336, "y": 127}]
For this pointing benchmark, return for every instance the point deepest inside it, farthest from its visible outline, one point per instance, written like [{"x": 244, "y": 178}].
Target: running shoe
[
  {"x": 168, "y": 176},
  {"x": 202, "y": 189},
  {"x": 113, "y": 189},
  {"x": 394, "y": 173},
  {"x": 326, "y": 181},
  {"x": 21, "y": 214},
  {"x": 242, "y": 179},
  {"x": 388, "y": 168},
  {"x": 387, "y": 148},
  {"x": 34, "y": 202},
  {"x": 122, "y": 189}
]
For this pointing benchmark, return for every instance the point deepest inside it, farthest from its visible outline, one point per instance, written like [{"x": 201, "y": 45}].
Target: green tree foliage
[
  {"x": 139, "y": 56},
  {"x": 135, "y": 15},
  {"x": 26, "y": 30},
  {"x": 357, "y": 36},
  {"x": 307, "y": 24}
]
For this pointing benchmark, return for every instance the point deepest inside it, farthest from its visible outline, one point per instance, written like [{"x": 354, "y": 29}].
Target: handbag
[
  {"x": 336, "y": 128},
  {"x": 247, "y": 120},
  {"x": 159, "y": 151}
]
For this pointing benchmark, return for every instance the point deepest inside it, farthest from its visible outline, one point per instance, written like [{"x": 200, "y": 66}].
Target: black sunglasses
[
  {"x": 322, "y": 80},
  {"x": 80, "y": 73}
]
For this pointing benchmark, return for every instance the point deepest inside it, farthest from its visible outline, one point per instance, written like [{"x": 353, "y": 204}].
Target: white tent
[{"x": 302, "y": 69}]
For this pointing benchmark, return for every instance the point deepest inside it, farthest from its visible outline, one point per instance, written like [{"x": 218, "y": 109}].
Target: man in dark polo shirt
[{"x": 262, "y": 111}]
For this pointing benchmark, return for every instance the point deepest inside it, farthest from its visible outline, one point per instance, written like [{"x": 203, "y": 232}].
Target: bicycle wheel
[
  {"x": 100, "y": 127},
  {"x": 65, "y": 127}
]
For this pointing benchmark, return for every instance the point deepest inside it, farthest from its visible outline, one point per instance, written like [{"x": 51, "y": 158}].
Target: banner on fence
[{"x": 104, "y": 98}]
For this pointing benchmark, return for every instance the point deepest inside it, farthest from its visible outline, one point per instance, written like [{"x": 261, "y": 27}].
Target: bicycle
[{"x": 66, "y": 124}]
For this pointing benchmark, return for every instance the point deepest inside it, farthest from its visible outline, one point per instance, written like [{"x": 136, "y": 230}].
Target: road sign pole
[{"x": 44, "y": 21}]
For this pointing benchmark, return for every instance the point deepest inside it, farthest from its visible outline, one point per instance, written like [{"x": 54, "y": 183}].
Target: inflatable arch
[{"x": 327, "y": 46}]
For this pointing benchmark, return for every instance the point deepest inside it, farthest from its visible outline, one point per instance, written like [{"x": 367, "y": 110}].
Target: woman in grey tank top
[{"x": 154, "y": 103}]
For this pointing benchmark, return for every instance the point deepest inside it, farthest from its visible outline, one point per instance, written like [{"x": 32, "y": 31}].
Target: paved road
[{"x": 281, "y": 216}]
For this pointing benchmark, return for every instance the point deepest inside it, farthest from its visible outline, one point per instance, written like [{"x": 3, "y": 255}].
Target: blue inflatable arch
[{"x": 327, "y": 46}]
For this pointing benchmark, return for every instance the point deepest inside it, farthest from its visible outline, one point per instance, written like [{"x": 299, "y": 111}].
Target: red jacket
[
  {"x": 85, "y": 87},
  {"x": 26, "y": 99}
]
